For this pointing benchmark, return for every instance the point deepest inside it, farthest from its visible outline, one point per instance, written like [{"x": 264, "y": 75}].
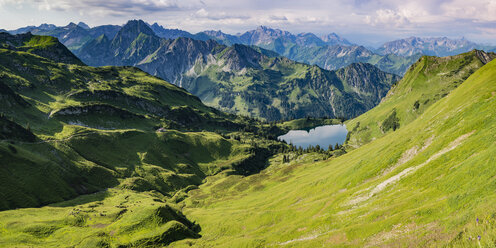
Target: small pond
[{"x": 322, "y": 136}]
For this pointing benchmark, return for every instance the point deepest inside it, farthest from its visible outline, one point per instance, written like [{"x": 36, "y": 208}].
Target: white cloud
[
  {"x": 359, "y": 18},
  {"x": 217, "y": 16},
  {"x": 117, "y": 7},
  {"x": 480, "y": 10},
  {"x": 388, "y": 18}
]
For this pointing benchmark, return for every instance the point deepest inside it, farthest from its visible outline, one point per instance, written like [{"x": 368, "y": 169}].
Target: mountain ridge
[{"x": 211, "y": 70}]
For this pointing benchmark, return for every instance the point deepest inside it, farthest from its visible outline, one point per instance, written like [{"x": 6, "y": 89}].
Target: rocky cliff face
[
  {"x": 367, "y": 80},
  {"x": 175, "y": 57}
]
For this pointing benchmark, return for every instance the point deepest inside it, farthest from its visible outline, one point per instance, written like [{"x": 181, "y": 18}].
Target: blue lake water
[{"x": 322, "y": 136}]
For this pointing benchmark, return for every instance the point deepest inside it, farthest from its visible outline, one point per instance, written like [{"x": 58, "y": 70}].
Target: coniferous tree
[{"x": 330, "y": 149}]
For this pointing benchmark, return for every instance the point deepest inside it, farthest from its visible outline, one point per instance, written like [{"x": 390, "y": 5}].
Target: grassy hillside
[
  {"x": 425, "y": 83},
  {"x": 67, "y": 92},
  {"x": 429, "y": 183},
  {"x": 112, "y": 217},
  {"x": 72, "y": 109},
  {"x": 113, "y": 157},
  {"x": 109, "y": 146}
]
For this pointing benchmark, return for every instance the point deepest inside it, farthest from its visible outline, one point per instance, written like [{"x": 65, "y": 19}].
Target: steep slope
[
  {"x": 97, "y": 51},
  {"x": 339, "y": 56},
  {"x": 241, "y": 79},
  {"x": 430, "y": 183},
  {"x": 427, "y": 81}
]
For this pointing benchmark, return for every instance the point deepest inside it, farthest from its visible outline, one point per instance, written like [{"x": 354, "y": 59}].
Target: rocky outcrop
[{"x": 94, "y": 109}]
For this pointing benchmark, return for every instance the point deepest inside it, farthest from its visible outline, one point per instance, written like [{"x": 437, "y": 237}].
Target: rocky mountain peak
[
  {"x": 238, "y": 57},
  {"x": 334, "y": 39},
  {"x": 136, "y": 27},
  {"x": 129, "y": 32},
  {"x": 83, "y": 25}
]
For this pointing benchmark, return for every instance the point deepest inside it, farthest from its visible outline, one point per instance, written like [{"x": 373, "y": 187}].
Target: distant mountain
[
  {"x": 265, "y": 36},
  {"x": 108, "y": 30},
  {"x": 339, "y": 56},
  {"x": 329, "y": 52},
  {"x": 73, "y": 35},
  {"x": 162, "y": 32},
  {"x": 428, "y": 46},
  {"x": 333, "y": 39},
  {"x": 219, "y": 36},
  {"x": 393, "y": 57},
  {"x": 242, "y": 79},
  {"x": 24, "y": 29},
  {"x": 304, "y": 47},
  {"x": 83, "y": 25}
]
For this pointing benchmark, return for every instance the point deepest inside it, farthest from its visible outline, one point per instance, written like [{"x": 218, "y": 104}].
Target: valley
[{"x": 140, "y": 135}]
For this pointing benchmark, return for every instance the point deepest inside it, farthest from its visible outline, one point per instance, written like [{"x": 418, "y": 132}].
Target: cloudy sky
[{"x": 367, "y": 22}]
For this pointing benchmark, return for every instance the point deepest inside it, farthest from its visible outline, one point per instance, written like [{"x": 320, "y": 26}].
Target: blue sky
[{"x": 363, "y": 21}]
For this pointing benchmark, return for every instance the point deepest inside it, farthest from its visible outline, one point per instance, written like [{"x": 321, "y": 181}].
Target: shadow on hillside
[{"x": 83, "y": 199}]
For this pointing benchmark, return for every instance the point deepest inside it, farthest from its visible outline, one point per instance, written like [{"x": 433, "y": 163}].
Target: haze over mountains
[
  {"x": 328, "y": 51},
  {"x": 233, "y": 78}
]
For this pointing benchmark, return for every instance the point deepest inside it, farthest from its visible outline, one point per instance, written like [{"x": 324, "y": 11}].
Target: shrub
[{"x": 391, "y": 122}]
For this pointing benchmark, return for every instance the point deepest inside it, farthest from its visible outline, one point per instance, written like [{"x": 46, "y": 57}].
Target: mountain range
[
  {"x": 243, "y": 79},
  {"x": 328, "y": 51},
  {"x": 112, "y": 156},
  {"x": 429, "y": 46},
  {"x": 73, "y": 36}
]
